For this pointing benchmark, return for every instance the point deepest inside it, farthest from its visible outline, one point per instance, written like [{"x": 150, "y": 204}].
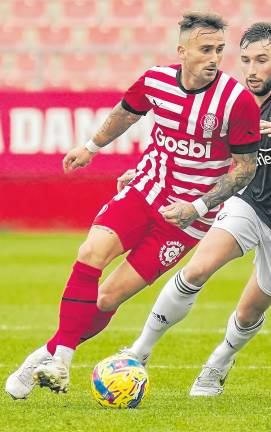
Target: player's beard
[{"x": 266, "y": 88}]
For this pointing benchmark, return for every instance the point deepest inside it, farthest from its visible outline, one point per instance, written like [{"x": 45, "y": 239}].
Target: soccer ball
[{"x": 119, "y": 381}]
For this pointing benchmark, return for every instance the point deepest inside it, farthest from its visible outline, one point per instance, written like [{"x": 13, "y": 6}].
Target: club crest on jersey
[
  {"x": 170, "y": 252},
  {"x": 209, "y": 122}
]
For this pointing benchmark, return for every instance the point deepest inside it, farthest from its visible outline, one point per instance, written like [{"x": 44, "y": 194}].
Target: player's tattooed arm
[
  {"x": 230, "y": 183},
  {"x": 180, "y": 214},
  {"x": 184, "y": 214},
  {"x": 118, "y": 121}
]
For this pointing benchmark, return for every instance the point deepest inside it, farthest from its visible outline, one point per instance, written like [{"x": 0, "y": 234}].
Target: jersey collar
[{"x": 200, "y": 90}]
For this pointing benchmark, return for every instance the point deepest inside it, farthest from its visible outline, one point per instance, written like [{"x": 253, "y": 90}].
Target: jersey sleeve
[
  {"x": 244, "y": 125},
  {"x": 135, "y": 100}
]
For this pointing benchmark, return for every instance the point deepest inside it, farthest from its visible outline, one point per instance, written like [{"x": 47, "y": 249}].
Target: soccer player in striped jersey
[
  {"x": 243, "y": 224},
  {"x": 203, "y": 119}
]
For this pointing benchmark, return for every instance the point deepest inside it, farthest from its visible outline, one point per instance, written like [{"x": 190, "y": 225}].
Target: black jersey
[{"x": 258, "y": 192}]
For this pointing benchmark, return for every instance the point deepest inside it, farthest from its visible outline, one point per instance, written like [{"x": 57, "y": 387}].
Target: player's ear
[{"x": 181, "y": 51}]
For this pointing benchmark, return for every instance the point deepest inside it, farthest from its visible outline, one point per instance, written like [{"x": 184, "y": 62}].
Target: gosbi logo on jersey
[
  {"x": 183, "y": 147},
  {"x": 170, "y": 251},
  {"x": 209, "y": 122}
]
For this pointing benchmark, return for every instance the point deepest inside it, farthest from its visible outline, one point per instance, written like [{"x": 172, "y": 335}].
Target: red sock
[
  {"x": 79, "y": 314},
  {"x": 99, "y": 322}
]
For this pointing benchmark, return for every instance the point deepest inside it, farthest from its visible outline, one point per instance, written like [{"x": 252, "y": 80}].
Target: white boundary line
[
  {"x": 180, "y": 367},
  {"x": 125, "y": 329},
  {"x": 158, "y": 366}
]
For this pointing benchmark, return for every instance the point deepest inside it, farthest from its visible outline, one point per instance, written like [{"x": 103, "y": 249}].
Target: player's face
[
  {"x": 256, "y": 67},
  {"x": 201, "y": 54}
]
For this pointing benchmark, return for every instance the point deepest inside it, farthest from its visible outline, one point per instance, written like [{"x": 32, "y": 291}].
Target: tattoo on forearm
[
  {"x": 232, "y": 182},
  {"x": 118, "y": 121}
]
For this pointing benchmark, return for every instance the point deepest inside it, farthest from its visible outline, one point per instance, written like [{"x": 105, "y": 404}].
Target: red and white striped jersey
[{"x": 193, "y": 137}]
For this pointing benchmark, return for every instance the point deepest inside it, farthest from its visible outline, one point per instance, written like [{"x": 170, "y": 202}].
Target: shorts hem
[
  {"x": 144, "y": 276},
  {"x": 115, "y": 231},
  {"x": 242, "y": 247},
  {"x": 264, "y": 290},
  {"x": 261, "y": 288}
]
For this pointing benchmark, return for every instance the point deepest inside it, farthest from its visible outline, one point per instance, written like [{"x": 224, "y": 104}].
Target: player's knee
[
  {"x": 106, "y": 302},
  {"x": 249, "y": 316},
  {"x": 196, "y": 274},
  {"x": 86, "y": 252},
  {"x": 91, "y": 255}
]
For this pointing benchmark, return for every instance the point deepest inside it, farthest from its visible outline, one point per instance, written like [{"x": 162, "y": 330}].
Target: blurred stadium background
[
  {"x": 102, "y": 44},
  {"x": 63, "y": 65}
]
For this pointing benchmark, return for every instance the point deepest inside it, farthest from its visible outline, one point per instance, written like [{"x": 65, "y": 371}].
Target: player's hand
[
  {"x": 125, "y": 178},
  {"x": 78, "y": 157},
  {"x": 265, "y": 127},
  {"x": 180, "y": 214}
]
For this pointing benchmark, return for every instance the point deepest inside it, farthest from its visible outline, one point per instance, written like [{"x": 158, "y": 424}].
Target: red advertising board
[{"x": 36, "y": 130}]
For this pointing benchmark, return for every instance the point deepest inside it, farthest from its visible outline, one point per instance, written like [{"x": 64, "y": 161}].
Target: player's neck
[
  {"x": 261, "y": 99},
  {"x": 191, "y": 83}
]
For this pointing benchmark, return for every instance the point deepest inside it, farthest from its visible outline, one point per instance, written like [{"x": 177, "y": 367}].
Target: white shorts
[{"x": 241, "y": 221}]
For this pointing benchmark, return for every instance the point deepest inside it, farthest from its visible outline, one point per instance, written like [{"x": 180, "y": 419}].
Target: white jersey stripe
[
  {"x": 168, "y": 88},
  {"x": 193, "y": 117},
  {"x": 224, "y": 78},
  {"x": 151, "y": 173},
  {"x": 166, "y": 70},
  {"x": 141, "y": 165},
  {"x": 201, "y": 165},
  {"x": 163, "y": 121},
  {"x": 206, "y": 221},
  {"x": 157, "y": 187},
  {"x": 203, "y": 180},
  {"x": 180, "y": 190},
  {"x": 161, "y": 103},
  {"x": 234, "y": 95},
  {"x": 194, "y": 232}
]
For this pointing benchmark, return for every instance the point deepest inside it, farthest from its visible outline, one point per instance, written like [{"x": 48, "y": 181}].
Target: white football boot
[
  {"x": 210, "y": 381},
  {"x": 55, "y": 373},
  {"x": 141, "y": 358},
  {"x": 20, "y": 383}
]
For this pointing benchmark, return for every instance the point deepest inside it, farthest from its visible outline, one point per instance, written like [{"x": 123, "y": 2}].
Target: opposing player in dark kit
[{"x": 243, "y": 224}]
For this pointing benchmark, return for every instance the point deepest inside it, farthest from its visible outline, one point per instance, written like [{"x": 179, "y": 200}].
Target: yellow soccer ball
[{"x": 119, "y": 381}]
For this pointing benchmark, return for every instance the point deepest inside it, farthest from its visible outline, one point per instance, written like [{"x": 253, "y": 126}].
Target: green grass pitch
[{"x": 34, "y": 267}]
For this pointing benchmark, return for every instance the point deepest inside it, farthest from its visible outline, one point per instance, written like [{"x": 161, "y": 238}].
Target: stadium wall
[{"x": 36, "y": 130}]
